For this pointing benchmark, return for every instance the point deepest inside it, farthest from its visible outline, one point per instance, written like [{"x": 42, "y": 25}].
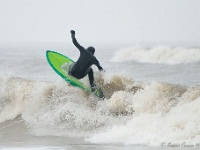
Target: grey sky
[{"x": 101, "y": 21}]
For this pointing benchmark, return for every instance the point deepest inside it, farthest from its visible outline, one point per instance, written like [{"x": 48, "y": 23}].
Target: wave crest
[
  {"x": 132, "y": 113},
  {"x": 160, "y": 55}
]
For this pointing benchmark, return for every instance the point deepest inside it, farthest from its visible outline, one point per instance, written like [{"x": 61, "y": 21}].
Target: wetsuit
[{"x": 83, "y": 65}]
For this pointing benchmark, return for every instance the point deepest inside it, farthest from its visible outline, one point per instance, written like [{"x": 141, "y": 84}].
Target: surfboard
[{"x": 61, "y": 64}]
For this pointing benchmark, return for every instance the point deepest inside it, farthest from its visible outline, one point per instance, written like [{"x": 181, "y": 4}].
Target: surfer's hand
[
  {"x": 101, "y": 69},
  {"x": 72, "y": 32}
]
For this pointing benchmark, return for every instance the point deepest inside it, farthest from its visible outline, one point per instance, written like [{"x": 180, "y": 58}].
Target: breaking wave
[
  {"x": 132, "y": 113},
  {"x": 160, "y": 55}
]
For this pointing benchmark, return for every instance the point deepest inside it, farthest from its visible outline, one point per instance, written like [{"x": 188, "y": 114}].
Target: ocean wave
[
  {"x": 163, "y": 113},
  {"x": 158, "y": 55},
  {"x": 132, "y": 113}
]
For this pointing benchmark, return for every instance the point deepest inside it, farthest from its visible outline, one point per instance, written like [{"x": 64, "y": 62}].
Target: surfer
[{"x": 82, "y": 67}]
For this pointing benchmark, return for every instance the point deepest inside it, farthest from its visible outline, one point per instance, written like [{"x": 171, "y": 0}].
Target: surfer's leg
[
  {"x": 75, "y": 73},
  {"x": 91, "y": 79}
]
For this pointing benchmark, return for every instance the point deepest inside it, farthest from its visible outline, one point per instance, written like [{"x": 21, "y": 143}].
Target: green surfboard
[{"x": 60, "y": 64}]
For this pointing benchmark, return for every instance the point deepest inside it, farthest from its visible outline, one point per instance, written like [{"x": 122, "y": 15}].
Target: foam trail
[{"x": 160, "y": 55}]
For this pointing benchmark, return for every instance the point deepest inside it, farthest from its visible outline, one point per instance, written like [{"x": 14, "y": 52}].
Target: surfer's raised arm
[{"x": 75, "y": 41}]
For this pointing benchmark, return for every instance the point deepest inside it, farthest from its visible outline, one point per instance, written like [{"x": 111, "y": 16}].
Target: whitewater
[{"x": 152, "y": 100}]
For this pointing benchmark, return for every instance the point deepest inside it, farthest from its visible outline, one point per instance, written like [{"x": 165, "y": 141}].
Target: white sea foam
[
  {"x": 162, "y": 55},
  {"x": 136, "y": 113},
  {"x": 133, "y": 112},
  {"x": 162, "y": 113}
]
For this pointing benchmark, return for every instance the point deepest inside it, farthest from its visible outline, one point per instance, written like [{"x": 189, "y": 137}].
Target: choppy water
[{"x": 152, "y": 99}]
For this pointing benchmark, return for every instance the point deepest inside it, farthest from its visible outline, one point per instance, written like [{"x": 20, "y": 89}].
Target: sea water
[{"x": 152, "y": 99}]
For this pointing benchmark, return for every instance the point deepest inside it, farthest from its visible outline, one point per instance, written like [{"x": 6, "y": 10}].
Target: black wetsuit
[{"x": 83, "y": 65}]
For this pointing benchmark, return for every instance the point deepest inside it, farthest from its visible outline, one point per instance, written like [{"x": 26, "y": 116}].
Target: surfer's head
[{"x": 91, "y": 50}]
